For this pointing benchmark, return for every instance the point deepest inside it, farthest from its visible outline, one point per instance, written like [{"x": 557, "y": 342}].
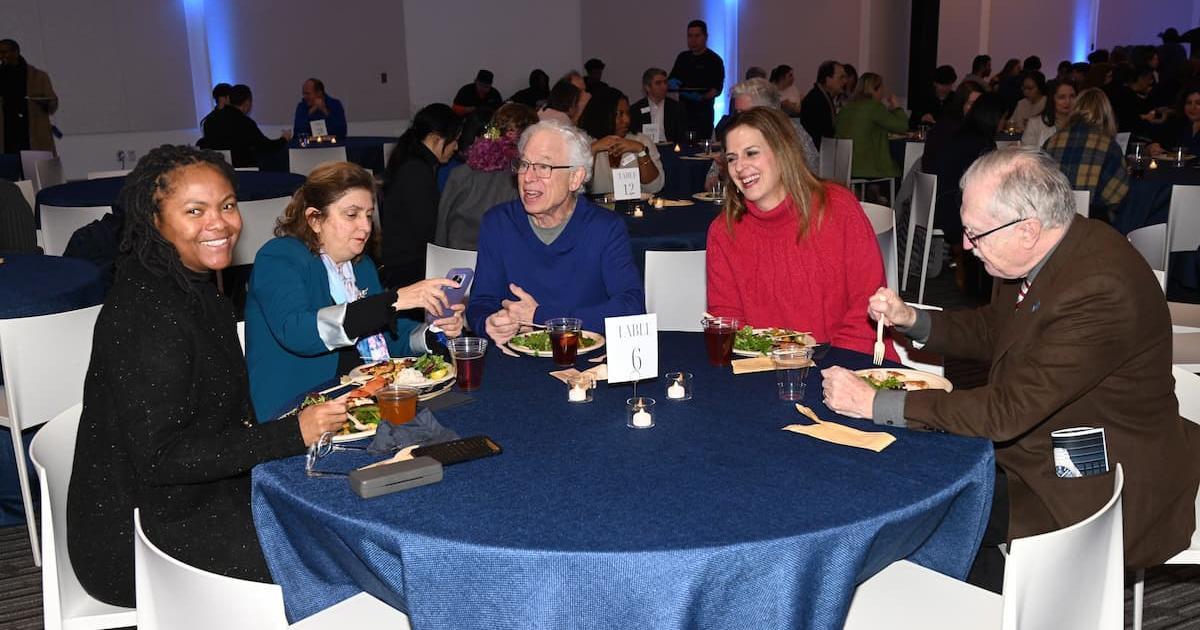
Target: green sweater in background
[{"x": 868, "y": 122}]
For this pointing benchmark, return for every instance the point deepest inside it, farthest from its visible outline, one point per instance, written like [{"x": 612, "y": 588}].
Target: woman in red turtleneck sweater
[{"x": 790, "y": 250}]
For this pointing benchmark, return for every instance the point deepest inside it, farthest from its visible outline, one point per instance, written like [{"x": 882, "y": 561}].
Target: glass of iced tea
[
  {"x": 468, "y": 360},
  {"x": 564, "y": 339},
  {"x": 718, "y": 338},
  {"x": 397, "y": 403}
]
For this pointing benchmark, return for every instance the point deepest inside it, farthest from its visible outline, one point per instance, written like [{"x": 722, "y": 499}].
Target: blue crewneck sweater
[{"x": 587, "y": 272}]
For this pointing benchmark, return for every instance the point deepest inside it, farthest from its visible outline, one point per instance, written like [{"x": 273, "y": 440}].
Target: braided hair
[{"x": 145, "y": 187}]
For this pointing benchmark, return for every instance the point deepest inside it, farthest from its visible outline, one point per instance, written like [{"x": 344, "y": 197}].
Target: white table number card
[
  {"x": 319, "y": 130},
  {"x": 627, "y": 184},
  {"x": 650, "y": 130},
  {"x": 632, "y": 345}
]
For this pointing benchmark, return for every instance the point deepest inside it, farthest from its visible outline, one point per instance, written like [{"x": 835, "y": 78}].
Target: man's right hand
[
  {"x": 885, "y": 305},
  {"x": 501, "y": 327},
  {"x": 286, "y": 134}
]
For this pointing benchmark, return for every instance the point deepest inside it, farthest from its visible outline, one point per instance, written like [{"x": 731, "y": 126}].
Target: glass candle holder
[
  {"x": 580, "y": 388},
  {"x": 639, "y": 413},
  {"x": 679, "y": 386}
]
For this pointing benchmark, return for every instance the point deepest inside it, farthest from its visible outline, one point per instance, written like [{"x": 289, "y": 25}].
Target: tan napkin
[
  {"x": 600, "y": 373},
  {"x": 840, "y": 433},
  {"x": 756, "y": 364},
  {"x": 673, "y": 203}
]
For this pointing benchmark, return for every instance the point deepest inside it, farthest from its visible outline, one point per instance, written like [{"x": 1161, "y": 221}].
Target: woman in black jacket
[
  {"x": 167, "y": 424},
  {"x": 410, "y": 193}
]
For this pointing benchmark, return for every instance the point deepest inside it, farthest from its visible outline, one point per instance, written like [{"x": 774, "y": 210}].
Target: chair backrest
[
  {"x": 916, "y": 358},
  {"x": 103, "y": 174},
  {"x": 676, "y": 289},
  {"x": 1083, "y": 199},
  {"x": 1123, "y": 141},
  {"x": 1183, "y": 220},
  {"x": 29, "y": 160},
  {"x": 241, "y": 332},
  {"x": 26, "y": 188},
  {"x": 176, "y": 596},
  {"x": 439, "y": 260},
  {"x": 303, "y": 161},
  {"x": 844, "y": 166},
  {"x": 60, "y": 222},
  {"x": 258, "y": 227},
  {"x": 228, "y": 155},
  {"x": 388, "y": 147},
  {"x": 913, "y": 152},
  {"x": 44, "y": 360},
  {"x": 47, "y": 173},
  {"x": 828, "y": 161},
  {"x": 1187, "y": 391},
  {"x": 1072, "y": 578},
  {"x": 883, "y": 220},
  {"x": 922, "y": 213},
  {"x": 63, "y": 598},
  {"x": 1151, "y": 243},
  {"x": 1161, "y": 276}
]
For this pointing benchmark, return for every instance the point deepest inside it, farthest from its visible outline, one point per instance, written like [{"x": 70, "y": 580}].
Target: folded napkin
[
  {"x": 839, "y": 433},
  {"x": 600, "y": 373},
  {"x": 694, "y": 157},
  {"x": 423, "y": 429},
  {"x": 672, "y": 203},
  {"x": 757, "y": 364}
]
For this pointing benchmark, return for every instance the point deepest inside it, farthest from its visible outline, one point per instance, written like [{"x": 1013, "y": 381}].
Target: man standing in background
[
  {"x": 699, "y": 75},
  {"x": 27, "y": 100}
]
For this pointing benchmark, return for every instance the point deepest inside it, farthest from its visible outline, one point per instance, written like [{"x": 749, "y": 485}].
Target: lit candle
[
  {"x": 577, "y": 393},
  {"x": 658, "y": 202},
  {"x": 677, "y": 148},
  {"x": 637, "y": 212},
  {"x": 642, "y": 418},
  {"x": 1153, "y": 164},
  {"x": 676, "y": 389}
]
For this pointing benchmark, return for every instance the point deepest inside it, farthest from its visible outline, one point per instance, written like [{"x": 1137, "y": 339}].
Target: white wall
[
  {"x": 445, "y": 46},
  {"x": 1125, "y": 23}
]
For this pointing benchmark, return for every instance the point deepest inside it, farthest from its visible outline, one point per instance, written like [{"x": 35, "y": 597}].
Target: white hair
[
  {"x": 762, "y": 92},
  {"x": 1029, "y": 183},
  {"x": 579, "y": 148}
]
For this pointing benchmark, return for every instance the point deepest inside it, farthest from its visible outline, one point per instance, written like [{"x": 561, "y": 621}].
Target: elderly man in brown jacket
[
  {"x": 1077, "y": 334},
  {"x": 26, "y": 99}
]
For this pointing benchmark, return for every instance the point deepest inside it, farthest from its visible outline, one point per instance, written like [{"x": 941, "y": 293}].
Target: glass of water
[{"x": 791, "y": 368}]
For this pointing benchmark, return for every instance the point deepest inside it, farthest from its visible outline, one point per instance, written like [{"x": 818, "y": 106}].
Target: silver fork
[{"x": 878, "y": 356}]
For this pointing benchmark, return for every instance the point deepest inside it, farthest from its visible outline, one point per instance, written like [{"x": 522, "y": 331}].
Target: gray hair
[
  {"x": 579, "y": 148},
  {"x": 762, "y": 92},
  {"x": 1029, "y": 183},
  {"x": 650, "y": 73}
]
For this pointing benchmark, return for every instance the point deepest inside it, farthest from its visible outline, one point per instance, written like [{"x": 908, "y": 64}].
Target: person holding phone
[{"x": 316, "y": 308}]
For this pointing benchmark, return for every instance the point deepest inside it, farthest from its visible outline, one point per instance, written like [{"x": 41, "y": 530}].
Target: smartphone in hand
[{"x": 463, "y": 276}]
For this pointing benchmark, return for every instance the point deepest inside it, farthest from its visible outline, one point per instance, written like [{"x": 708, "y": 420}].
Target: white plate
[
  {"x": 358, "y": 373},
  {"x": 587, "y": 333},
  {"x": 933, "y": 381},
  {"x": 808, "y": 341},
  {"x": 360, "y": 435},
  {"x": 707, "y": 196}
]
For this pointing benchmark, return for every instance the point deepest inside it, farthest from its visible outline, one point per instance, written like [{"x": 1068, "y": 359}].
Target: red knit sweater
[{"x": 763, "y": 276}]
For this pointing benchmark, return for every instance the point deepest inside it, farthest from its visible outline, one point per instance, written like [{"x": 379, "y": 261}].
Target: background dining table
[
  {"x": 713, "y": 518},
  {"x": 34, "y": 284},
  {"x": 671, "y": 228},
  {"x": 365, "y": 151},
  {"x": 684, "y": 171}
]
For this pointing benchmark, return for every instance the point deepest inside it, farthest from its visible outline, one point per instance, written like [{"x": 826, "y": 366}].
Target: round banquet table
[
  {"x": 714, "y": 518},
  {"x": 33, "y": 284},
  {"x": 10, "y": 166},
  {"x": 365, "y": 151},
  {"x": 683, "y": 172},
  {"x": 676, "y": 228}
]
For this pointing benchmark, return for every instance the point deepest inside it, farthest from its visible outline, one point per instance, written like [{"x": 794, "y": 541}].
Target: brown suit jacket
[
  {"x": 1089, "y": 346},
  {"x": 37, "y": 86}
]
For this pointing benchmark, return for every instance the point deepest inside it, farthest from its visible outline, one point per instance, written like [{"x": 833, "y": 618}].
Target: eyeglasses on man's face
[
  {"x": 541, "y": 171},
  {"x": 975, "y": 238}
]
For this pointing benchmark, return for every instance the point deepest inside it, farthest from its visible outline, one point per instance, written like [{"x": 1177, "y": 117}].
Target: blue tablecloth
[
  {"x": 33, "y": 284},
  {"x": 682, "y": 228},
  {"x": 682, "y": 177},
  {"x": 365, "y": 151},
  {"x": 10, "y": 166},
  {"x": 715, "y": 518},
  {"x": 1149, "y": 199}
]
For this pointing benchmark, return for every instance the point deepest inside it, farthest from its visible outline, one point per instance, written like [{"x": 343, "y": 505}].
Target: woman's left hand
[{"x": 452, "y": 326}]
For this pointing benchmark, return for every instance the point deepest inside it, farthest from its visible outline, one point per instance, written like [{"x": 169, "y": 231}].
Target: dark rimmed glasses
[
  {"x": 541, "y": 171},
  {"x": 975, "y": 238}
]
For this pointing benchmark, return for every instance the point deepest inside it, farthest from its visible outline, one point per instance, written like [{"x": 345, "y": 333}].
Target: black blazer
[
  {"x": 231, "y": 130},
  {"x": 674, "y": 119}
]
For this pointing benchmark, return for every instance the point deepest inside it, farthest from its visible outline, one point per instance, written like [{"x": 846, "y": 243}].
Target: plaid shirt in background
[{"x": 1091, "y": 161}]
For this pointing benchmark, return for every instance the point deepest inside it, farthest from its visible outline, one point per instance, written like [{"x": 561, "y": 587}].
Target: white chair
[
  {"x": 29, "y": 160},
  {"x": 918, "y": 358},
  {"x": 1083, "y": 200},
  {"x": 922, "y": 213},
  {"x": 36, "y": 352},
  {"x": 676, "y": 289},
  {"x": 65, "y": 605},
  {"x": 303, "y": 161},
  {"x": 228, "y": 155},
  {"x": 388, "y": 147},
  {"x": 836, "y": 160},
  {"x": 1069, "y": 579},
  {"x": 859, "y": 184},
  {"x": 1123, "y": 141},
  {"x": 1161, "y": 276},
  {"x": 883, "y": 220},
  {"x": 27, "y": 191},
  {"x": 913, "y": 152},
  {"x": 258, "y": 227},
  {"x": 1183, "y": 222},
  {"x": 439, "y": 260},
  {"x": 60, "y": 222},
  {"x": 1151, "y": 243},
  {"x": 1187, "y": 391},
  {"x": 48, "y": 173},
  {"x": 172, "y": 595},
  {"x": 241, "y": 332},
  {"x": 103, "y": 174}
]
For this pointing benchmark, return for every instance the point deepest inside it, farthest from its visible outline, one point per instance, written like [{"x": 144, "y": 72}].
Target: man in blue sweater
[
  {"x": 315, "y": 104},
  {"x": 552, "y": 253}
]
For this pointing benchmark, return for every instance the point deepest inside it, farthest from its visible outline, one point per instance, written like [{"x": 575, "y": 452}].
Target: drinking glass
[
  {"x": 791, "y": 368},
  {"x": 564, "y": 339},
  {"x": 718, "y": 338},
  {"x": 397, "y": 403},
  {"x": 467, "y": 353}
]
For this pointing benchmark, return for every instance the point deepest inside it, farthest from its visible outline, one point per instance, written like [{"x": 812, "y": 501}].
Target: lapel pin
[{"x": 1035, "y": 306}]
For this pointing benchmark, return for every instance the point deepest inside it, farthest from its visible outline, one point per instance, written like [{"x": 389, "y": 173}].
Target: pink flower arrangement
[{"x": 492, "y": 152}]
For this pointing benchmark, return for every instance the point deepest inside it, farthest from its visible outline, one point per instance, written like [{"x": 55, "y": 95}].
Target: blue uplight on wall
[
  {"x": 722, "y": 19},
  {"x": 221, "y": 51},
  {"x": 1081, "y": 30}
]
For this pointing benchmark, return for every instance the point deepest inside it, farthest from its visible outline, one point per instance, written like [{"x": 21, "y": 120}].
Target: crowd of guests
[{"x": 174, "y": 417}]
